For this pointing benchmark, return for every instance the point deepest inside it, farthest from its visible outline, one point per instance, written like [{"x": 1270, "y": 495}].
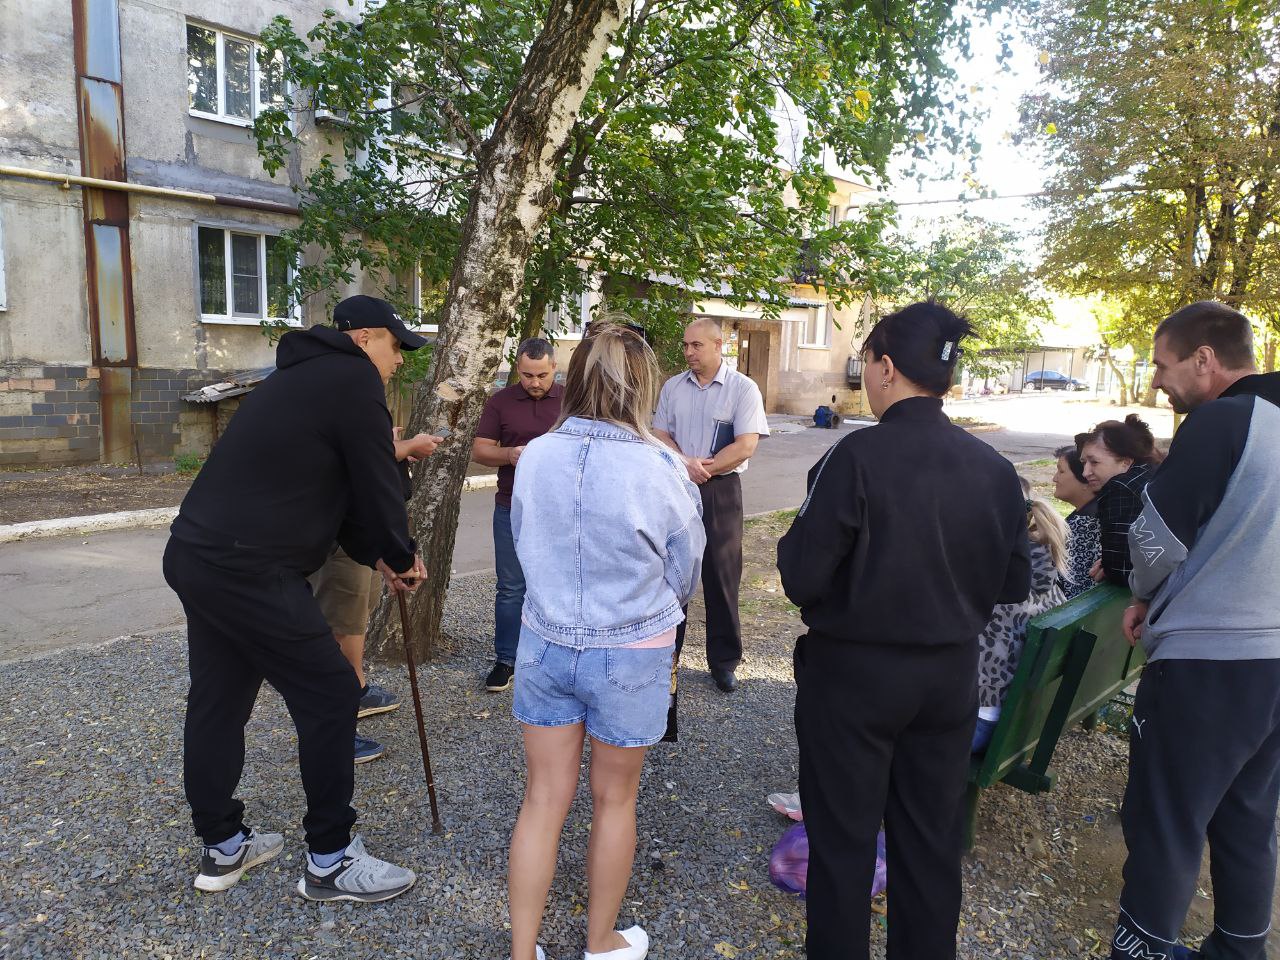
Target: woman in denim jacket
[{"x": 609, "y": 534}]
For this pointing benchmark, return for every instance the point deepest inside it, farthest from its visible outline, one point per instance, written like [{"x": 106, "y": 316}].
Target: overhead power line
[{"x": 1036, "y": 193}]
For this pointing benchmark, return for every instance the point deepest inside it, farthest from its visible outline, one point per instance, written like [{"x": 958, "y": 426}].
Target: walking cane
[{"x": 417, "y": 708}]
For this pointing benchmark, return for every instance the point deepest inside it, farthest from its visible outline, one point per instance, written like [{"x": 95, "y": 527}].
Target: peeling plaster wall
[{"x": 43, "y": 242}]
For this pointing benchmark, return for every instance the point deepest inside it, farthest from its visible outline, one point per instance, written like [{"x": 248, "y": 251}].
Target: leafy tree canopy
[
  {"x": 976, "y": 268},
  {"x": 703, "y": 153},
  {"x": 1162, "y": 121}
]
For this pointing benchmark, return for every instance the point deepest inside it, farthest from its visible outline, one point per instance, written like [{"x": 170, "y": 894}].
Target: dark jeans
[
  {"x": 884, "y": 734},
  {"x": 721, "y": 571},
  {"x": 249, "y": 621},
  {"x": 1204, "y": 761},
  {"x": 509, "y": 599}
]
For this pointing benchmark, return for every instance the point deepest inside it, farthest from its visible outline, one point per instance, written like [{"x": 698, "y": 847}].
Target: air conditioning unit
[{"x": 332, "y": 118}]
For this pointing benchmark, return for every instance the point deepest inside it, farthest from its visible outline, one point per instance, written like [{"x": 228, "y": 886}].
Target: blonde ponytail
[
  {"x": 1045, "y": 526},
  {"x": 613, "y": 376}
]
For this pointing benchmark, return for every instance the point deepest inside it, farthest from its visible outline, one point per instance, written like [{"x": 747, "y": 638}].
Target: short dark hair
[
  {"x": 1208, "y": 323},
  {"x": 924, "y": 341},
  {"x": 535, "y": 348},
  {"x": 1130, "y": 440},
  {"x": 1072, "y": 456}
]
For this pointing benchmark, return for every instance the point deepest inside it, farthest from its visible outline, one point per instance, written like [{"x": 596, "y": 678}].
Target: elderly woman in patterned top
[
  {"x": 1084, "y": 530},
  {"x": 1000, "y": 645}
]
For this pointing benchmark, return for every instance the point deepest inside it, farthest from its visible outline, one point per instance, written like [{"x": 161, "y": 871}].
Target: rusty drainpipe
[{"x": 100, "y": 101}]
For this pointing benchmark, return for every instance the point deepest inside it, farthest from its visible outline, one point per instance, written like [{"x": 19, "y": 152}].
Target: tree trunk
[
  {"x": 509, "y": 203},
  {"x": 539, "y": 299},
  {"x": 1132, "y": 399},
  {"x": 1124, "y": 386},
  {"x": 1269, "y": 354},
  {"x": 530, "y": 325}
]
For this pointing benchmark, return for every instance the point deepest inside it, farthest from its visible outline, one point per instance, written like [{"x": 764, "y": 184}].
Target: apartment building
[{"x": 137, "y": 226}]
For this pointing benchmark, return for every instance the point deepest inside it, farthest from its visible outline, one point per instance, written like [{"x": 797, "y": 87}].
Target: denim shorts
[{"x": 621, "y": 693}]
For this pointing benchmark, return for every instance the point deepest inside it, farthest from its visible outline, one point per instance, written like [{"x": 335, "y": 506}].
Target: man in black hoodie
[{"x": 307, "y": 461}]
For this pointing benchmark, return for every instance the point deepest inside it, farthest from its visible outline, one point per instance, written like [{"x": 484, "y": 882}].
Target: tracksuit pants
[
  {"x": 248, "y": 621},
  {"x": 1204, "y": 762},
  {"x": 721, "y": 571},
  {"x": 884, "y": 734}
]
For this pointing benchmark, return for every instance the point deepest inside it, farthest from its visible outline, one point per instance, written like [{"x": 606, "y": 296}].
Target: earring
[{"x": 884, "y": 385}]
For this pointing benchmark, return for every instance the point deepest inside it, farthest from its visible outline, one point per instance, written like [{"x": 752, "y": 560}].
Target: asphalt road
[{"x": 71, "y": 591}]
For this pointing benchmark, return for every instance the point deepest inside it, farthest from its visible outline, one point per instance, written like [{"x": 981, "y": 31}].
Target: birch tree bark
[{"x": 512, "y": 197}]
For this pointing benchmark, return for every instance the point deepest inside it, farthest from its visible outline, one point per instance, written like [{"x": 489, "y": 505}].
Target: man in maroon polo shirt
[{"x": 512, "y": 417}]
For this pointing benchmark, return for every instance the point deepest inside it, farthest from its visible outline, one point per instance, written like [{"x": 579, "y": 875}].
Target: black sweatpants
[
  {"x": 1204, "y": 761},
  {"x": 249, "y": 621},
  {"x": 721, "y": 571},
  {"x": 884, "y": 734}
]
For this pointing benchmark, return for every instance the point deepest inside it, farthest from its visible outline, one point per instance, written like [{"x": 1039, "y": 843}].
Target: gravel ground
[{"x": 100, "y": 855}]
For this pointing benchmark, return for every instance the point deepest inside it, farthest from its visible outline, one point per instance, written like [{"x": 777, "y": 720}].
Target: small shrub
[{"x": 188, "y": 464}]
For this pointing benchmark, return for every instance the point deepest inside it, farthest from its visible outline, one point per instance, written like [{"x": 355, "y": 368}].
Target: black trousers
[
  {"x": 1204, "y": 761},
  {"x": 884, "y": 734},
  {"x": 721, "y": 571},
  {"x": 249, "y": 621}
]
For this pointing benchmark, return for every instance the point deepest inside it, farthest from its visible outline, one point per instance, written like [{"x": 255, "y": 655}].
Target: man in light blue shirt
[{"x": 714, "y": 417}]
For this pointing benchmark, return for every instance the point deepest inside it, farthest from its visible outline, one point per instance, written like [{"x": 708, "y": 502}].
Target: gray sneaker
[
  {"x": 357, "y": 876},
  {"x": 219, "y": 871}
]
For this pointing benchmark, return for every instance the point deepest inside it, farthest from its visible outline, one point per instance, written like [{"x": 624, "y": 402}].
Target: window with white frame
[
  {"x": 567, "y": 320},
  {"x": 228, "y": 78},
  {"x": 424, "y": 297},
  {"x": 817, "y": 333},
  {"x": 244, "y": 277}
]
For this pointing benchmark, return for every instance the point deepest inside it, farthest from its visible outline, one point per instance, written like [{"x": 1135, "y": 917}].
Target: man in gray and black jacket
[{"x": 1204, "y": 755}]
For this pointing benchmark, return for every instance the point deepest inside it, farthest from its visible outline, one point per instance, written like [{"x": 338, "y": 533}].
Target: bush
[{"x": 188, "y": 464}]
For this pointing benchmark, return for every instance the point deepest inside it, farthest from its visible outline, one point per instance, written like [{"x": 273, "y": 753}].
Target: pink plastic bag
[{"x": 789, "y": 862}]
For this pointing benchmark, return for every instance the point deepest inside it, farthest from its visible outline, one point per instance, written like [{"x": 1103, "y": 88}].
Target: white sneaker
[
  {"x": 359, "y": 875},
  {"x": 787, "y": 804},
  {"x": 219, "y": 871},
  {"x": 637, "y": 947}
]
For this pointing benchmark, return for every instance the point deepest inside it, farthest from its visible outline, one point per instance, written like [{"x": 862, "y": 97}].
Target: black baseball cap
[{"x": 362, "y": 313}]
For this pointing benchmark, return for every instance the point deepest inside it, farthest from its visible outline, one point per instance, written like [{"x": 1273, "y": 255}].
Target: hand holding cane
[{"x": 417, "y": 709}]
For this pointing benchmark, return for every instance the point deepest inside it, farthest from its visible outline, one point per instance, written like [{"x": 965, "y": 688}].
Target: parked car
[{"x": 1051, "y": 380}]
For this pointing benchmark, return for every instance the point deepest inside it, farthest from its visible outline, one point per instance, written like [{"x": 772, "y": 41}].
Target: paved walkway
[{"x": 71, "y": 591}]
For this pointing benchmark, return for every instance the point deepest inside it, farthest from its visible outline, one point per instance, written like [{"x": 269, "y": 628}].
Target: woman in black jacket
[
  {"x": 1119, "y": 459},
  {"x": 912, "y": 531},
  {"x": 1084, "y": 543}
]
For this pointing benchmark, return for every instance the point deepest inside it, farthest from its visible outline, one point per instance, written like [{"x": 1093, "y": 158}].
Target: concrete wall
[
  {"x": 37, "y": 87},
  {"x": 810, "y": 376},
  {"x": 43, "y": 226},
  {"x": 47, "y": 319}
]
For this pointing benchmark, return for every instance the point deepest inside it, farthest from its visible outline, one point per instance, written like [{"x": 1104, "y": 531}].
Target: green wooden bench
[{"x": 1075, "y": 659}]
